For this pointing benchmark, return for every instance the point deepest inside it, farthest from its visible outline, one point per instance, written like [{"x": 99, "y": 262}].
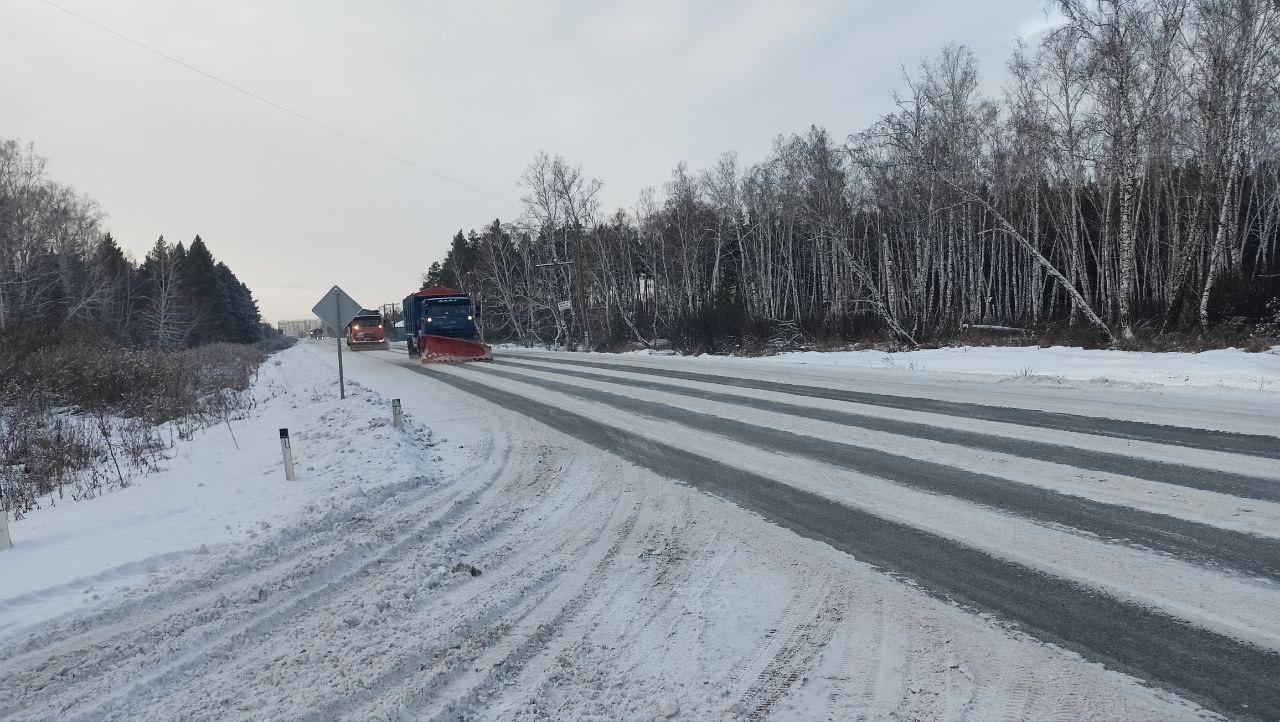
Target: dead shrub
[{"x": 79, "y": 419}]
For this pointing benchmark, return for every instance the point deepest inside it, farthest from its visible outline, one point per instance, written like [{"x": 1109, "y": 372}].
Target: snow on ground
[
  {"x": 217, "y": 590},
  {"x": 69, "y": 554},
  {"x": 1229, "y": 368}
]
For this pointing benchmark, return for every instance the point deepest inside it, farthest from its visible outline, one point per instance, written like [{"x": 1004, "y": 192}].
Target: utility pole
[{"x": 553, "y": 263}]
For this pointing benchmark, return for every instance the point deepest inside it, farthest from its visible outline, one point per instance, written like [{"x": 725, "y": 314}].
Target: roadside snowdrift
[
  {"x": 1230, "y": 368},
  {"x": 1227, "y": 368}
]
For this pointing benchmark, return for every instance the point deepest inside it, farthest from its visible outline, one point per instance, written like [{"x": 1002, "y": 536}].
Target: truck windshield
[
  {"x": 448, "y": 308},
  {"x": 366, "y": 321}
]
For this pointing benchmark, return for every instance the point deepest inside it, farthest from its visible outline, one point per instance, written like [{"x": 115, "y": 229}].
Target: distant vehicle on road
[
  {"x": 366, "y": 332},
  {"x": 316, "y": 333}
]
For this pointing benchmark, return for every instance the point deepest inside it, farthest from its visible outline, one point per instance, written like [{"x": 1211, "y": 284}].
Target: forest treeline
[
  {"x": 61, "y": 274},
  {"x": 1126, "y": 184}
]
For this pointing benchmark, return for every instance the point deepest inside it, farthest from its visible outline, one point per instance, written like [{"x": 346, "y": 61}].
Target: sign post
[
  {"x": 342, "y": 382},
  {"x": 336, "y": 309}
]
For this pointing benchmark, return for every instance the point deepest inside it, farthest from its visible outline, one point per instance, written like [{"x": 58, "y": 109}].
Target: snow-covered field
[{"x": 606, "y": 590}]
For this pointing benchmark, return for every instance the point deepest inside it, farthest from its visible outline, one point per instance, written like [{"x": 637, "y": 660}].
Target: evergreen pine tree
[
  {"x": 206, "y": 295},
  {"x": 252, "y": 328},
  {"x": 243, "y": 316},
  {"x": 455, "y": 262},
  {"x": 432, "y": 276},
  {"x": 116, "y": 275},
  {"x": 148, "y": 271}
]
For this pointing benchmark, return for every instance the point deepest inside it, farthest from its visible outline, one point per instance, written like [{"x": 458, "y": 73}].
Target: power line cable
[{"x": 273, "y": 104}]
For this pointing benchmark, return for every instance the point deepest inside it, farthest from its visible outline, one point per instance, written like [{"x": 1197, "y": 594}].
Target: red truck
[{"x": 366, "y": 332}]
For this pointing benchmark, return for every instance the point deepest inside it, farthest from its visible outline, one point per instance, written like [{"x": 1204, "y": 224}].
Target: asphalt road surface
[{"x": 1229, "y": 672}]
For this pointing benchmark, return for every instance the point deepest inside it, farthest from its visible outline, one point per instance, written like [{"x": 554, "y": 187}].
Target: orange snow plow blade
[{"x": 441, "y": 349}]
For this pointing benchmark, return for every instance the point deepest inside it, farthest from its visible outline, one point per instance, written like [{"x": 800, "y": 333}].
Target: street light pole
[{"x": 580, "y": 287}]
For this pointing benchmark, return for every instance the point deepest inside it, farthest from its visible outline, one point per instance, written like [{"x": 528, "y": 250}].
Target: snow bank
[
  {"x": 1229, "y": 368},
  {"x": 214, "y": 491}
]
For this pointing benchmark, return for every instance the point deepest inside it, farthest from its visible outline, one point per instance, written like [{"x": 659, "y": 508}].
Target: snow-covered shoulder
[
  {"x": 1224, "y": 368},
  {"x": 221, "y": 489},
  {"x": 1230, "y": 368}
]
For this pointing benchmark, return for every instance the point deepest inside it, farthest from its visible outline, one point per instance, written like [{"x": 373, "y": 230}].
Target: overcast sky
[{"x": 469, "y": 89}]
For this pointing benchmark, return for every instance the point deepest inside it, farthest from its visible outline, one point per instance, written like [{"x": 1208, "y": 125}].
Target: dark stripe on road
[
  {"x": 1250, "y": 487},
  {"x": 1249, "y": 444},
  {"x": 1188, "y": 540},
  {"x": 1223, "y": 674}
]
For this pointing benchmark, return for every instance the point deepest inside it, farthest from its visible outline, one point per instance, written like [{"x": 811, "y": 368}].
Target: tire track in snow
[
  {"x": 359, "y": 675},
  {"x": 652, "y": 589},
  {"x": 287, "y": 547},
  {"x": 562, "y": 604},
  {"x": 245, "y": 635},
  {"x": 863, "y": 673},
  {"x": 500, "y": 605},
  {"x": 100, "y": 664},
  {"x": 216, "y": 619},
  {"x": 1227, "y": 675},
  {"x": 665, "y": 550},
  {"x": 789, "y": 649}
]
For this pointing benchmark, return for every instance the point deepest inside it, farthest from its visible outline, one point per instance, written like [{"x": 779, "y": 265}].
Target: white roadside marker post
[
  {"x": 5, "y": 541},
  {"x": 287, "y": 451},
  {"x": 397, "y": 417}
]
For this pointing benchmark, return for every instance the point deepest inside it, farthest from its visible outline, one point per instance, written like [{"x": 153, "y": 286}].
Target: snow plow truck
[
  {"x": 365, "y": 332},
  {"x": 441, "y": 327}
]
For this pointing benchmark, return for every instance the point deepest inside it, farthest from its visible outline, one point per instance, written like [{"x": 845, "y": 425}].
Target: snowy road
[
  {"x": 696, "y": 539},
  {"x": 1151, "y": 619}
]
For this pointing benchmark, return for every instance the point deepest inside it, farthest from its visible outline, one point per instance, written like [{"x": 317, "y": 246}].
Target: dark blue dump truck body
[
  {"x": 439, "y": 323},
  {"x": 449, "y": 316}
]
